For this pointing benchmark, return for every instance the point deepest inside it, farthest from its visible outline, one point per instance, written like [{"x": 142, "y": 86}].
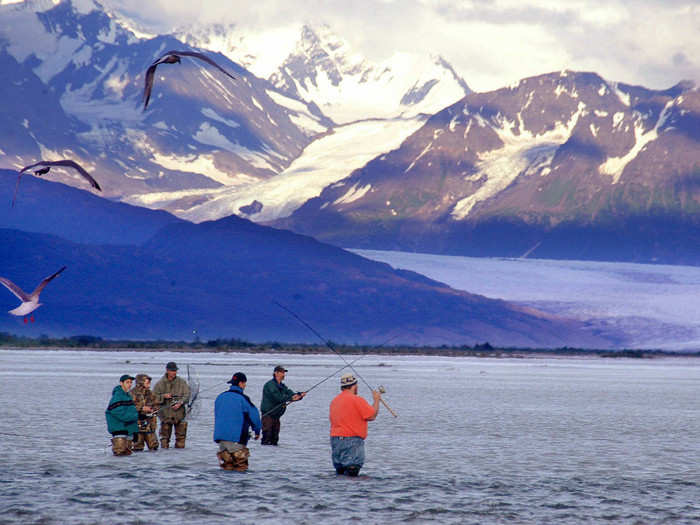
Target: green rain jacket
[
  {"x": 121, "y": 413},
  {"x": 275, "y": 395}
]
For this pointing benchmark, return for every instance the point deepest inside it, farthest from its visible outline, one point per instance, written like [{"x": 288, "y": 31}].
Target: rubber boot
[
  {"x": 352, "y": 471},
  {"x": 225, "y": 460},
  {"x": 165, "y": 431},
  {"x": 151, "y": 441},
  {"x": 139, "y": 442},
  {"x": 240, "y": 459},
  {"x": 180, "y": 434},
  {"x": 121, "y": 446}
]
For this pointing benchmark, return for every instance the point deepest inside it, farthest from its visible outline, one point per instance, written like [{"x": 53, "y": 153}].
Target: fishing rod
[
  {"x": 151, "y": 414},
  {"x": 288, "y": 402},
  {"x": 193, "y": 384},
  {"x": 381, "y": 389}
]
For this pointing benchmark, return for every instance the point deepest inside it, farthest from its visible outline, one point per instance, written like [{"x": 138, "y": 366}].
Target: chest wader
[
  {"x": 146, "y": 435},
  {"x": 270, "y": 430},
  {"x": 166, "y": 428}
]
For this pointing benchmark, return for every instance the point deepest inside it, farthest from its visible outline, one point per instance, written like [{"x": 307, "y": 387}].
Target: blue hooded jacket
[{"x": 234, "y": 414}]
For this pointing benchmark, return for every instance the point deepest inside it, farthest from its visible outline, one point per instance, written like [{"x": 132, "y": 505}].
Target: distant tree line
[{"x": 8, "y": 340}]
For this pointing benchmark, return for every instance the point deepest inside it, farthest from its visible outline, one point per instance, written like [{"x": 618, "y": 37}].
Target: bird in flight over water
[
  {"x": 47, "y": 167},
  {"x": 30, "y": 302},
  {"x": 173, "y": 57}
]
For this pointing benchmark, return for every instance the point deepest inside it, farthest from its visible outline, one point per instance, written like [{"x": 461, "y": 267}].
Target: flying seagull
[
  {"x": 173, "y": 57},
  {"x": 29, "y": 302},
  {"x": 47, "y": 167}
]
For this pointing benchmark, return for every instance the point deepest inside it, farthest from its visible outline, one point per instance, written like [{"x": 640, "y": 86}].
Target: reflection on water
[{"x": 476, "y": 441}]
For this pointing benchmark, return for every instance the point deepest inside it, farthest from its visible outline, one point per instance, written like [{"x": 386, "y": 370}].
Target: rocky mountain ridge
[
  {"x": 499, "y": 172},
  {"x": 76, "y": 91}
]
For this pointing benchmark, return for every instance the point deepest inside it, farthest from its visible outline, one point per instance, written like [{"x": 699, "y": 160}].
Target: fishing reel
[{"x": 381, "y": 389}]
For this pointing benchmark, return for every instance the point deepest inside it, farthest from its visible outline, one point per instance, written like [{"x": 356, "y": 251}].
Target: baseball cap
[
  {"x": 280, "y": 368},
  {"x": 125, "y": 377},
  {"x": 238, "y": 377}
]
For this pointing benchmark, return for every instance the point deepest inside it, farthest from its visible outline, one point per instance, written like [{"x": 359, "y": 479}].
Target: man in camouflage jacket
[
  {"x": 145, "y": 403},
  {"x": 172, "y": 394}
]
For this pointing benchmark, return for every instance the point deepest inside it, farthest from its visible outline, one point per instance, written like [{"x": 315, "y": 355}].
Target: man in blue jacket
[
  {"x": 122, "y": 417},
  {"x": 234, "y": 414}
]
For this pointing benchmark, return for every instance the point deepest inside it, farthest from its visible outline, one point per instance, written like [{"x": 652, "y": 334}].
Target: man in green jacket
[
  {"x": 276, "y": 396},
  {"x": 172, "y": 393},
  {"x": 122, "y": 417}
]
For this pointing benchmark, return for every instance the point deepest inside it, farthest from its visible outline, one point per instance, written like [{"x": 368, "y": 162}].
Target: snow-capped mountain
[
  {"x": 76, "y": 85},
  {"x": 386, "y": 102},
  {"x": 320, "y": 67},
  {"x": 325, "y": 161},
  {"x": 261, "y": 51},
  {"x": 559, "y": 165},
  {"x": 347, "y": 87},
  {"x": 207, "y": 146}
]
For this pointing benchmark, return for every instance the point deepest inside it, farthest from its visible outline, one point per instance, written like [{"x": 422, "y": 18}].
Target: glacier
[{"x": 650, "y": 305}]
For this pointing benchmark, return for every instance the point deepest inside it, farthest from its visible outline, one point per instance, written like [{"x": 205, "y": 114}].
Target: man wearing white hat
[{"x": 349, "y": 414}]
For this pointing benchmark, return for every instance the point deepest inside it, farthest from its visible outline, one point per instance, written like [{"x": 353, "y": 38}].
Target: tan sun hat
[{"x": 347, "y": 380}]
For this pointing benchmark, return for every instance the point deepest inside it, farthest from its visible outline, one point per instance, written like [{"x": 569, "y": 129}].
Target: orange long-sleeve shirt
[{"x": 349, "y": 414}]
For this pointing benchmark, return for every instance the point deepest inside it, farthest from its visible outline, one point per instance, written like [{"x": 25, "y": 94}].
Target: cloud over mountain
[{"x": 490, "y": 43}]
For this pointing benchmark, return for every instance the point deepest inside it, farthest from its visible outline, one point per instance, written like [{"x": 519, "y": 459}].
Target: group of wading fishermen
[
  {"x": 131, "y": 413},
  {"x": 234, "y": 417}
]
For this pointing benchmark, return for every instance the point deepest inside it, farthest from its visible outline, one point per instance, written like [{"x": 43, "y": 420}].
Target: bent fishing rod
[
  {"x": 380, "y": 389},
  {"x": 288, "y": 402}
]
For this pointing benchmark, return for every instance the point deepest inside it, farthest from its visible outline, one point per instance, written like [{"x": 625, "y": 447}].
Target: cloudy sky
[{"x": 492, "y": 43}]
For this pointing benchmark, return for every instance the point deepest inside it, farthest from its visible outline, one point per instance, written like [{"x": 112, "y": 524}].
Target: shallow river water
[{"x": 536, "y": 440}]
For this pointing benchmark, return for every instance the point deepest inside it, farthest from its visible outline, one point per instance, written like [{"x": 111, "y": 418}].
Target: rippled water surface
[{"x": 535, "y": 440}]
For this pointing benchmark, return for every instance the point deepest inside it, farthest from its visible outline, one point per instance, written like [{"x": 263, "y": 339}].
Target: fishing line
[
  {"x": 193, "y": 383},
  {"x": 327, "y": 378},
  {"x": 325, "y": 342},
  {"x": 288, "y": 402}
]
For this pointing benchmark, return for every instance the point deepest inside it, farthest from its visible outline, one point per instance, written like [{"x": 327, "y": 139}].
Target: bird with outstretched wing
[
  {"x": 66, "y": 163},
  {"x": 173, "y": 57},
  {"x": 30, "y": 302}
]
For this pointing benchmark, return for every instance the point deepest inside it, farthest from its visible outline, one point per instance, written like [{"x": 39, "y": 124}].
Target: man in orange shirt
[{"x": 349, "y": 414}]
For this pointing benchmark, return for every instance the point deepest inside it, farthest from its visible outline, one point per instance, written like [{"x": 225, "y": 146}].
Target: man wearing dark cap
[
  {"x": 349, "y": 414},
  {"x": 234, "y": 415},
  {"x": 275, "y": 398},
  {"x": 121, "y": 417},
  {"x": 172, "y": 393},
  {"x": 146, "y": 404}
]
